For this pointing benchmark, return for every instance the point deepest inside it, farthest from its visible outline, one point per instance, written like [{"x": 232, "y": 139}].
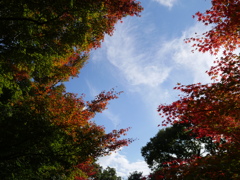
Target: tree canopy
[
  {"x": 46, "y": 132},
  {"x": 211, "y": 109},
  {"x": 136, "y": 176},
  {"x": 173, "y": 144},
  {"x": 48, "y": 41},
  {"x": 106, "y": 174}
]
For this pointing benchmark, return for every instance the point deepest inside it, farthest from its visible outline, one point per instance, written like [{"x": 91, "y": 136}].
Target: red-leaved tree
[{"x": 212, "y": 109}]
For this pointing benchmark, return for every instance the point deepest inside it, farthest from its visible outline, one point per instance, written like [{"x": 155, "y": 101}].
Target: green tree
[
  {"x": 49, "y": 135},
  {"x": 46, "y": 132},
  {"x": 173, "y": 144},
  {"x": 135, "y": 176},
  {"x": 106, "y": 174},
  {"x": 49, "y": 41}
]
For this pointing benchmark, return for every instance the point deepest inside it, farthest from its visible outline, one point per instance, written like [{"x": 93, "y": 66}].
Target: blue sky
[{"x": 146, "y": 57}]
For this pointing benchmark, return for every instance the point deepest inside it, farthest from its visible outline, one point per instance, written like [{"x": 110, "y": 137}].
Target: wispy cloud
[
  {"x": 122, "y": 165},
  {"x": 152, "y": 68},
  {"x": 93, "y": 91},
  {"x": 152, "y": 64},
  {"x": 186, "y": 68},
  {"x": 147, "y": 67},
  {"x": 183, "y": 60},
  {"x": 168, "y": 3},
  {"x": 136, "y": 63},
  {"x": 114, "y": 118}
]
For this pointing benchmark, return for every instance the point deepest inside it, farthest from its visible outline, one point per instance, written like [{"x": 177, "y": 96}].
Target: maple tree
[
  {"x": 45, "y": 131},
  {"x": 224, "y": 18},
  {"x": 211, "y": 109},
  {"x": 59, "y": 134},
  {"x": 50, "y": 40}
]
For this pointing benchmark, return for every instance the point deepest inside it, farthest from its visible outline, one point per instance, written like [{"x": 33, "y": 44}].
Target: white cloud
[
  {"x": 114, "y": 118},
  {"x": 194, "y": 65},
  {"x": 153, "y": 68},
  {"x": 168, "y": 3},
  {"x": 122, "y": 165},
  {"x": 135, "y": 63},
  {"x": 93, "y": 91},
  {"x": 142, "y": 65},
  {"x": 145, "y": 66}
]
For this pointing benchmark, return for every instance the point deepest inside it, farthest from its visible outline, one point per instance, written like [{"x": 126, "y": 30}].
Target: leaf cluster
[
  {"x": 212, "y": 110},
  {"x": 46, "y": 132}
]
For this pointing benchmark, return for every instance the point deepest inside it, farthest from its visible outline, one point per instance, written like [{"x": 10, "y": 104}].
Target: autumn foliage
[
  {"x": 211, "y": 109},
  {"x": 224, "y": 17},
  {"x": 46, "y": 132},
  {"x": 50, "y": 41}
]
